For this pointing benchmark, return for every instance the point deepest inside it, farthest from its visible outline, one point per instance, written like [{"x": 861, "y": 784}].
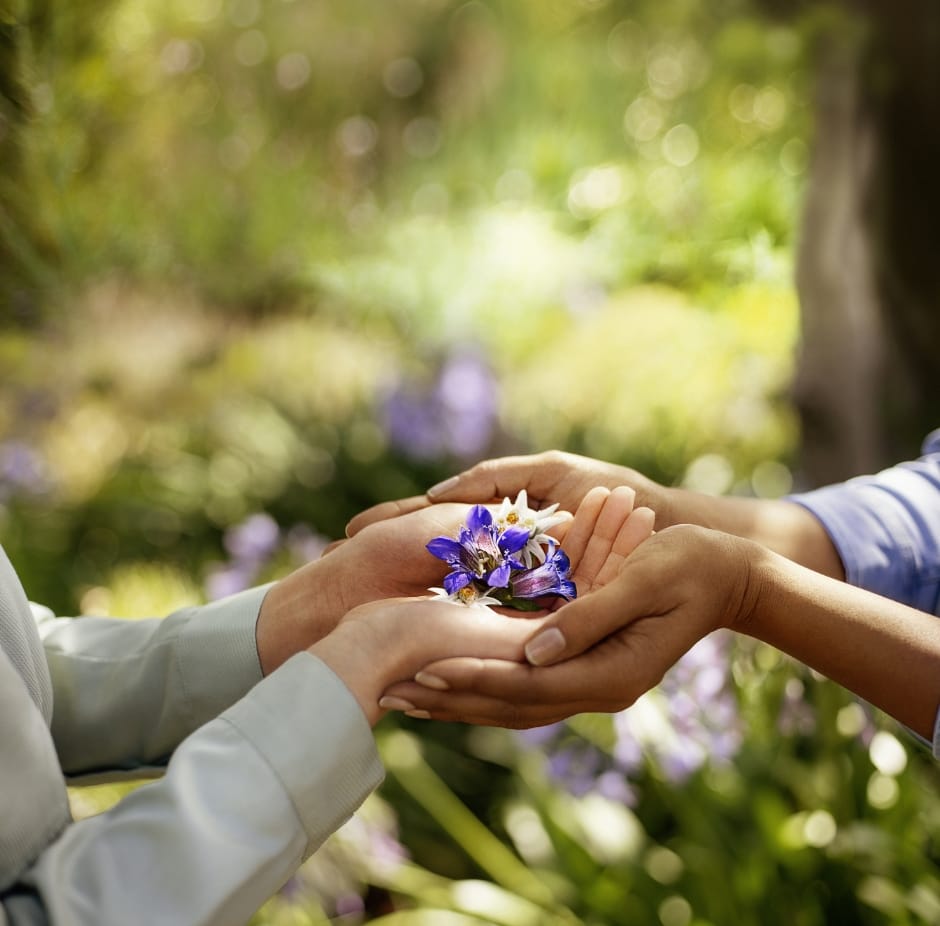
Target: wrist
[
  {"x": 297, "y": 611},
  {"x": 661, "y": 499},
  {"x": 352, "y": 654},
  {"x": 756, "y": 577}
]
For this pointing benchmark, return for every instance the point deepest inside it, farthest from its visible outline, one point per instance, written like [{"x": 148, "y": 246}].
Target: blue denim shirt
[{"x": 886, "y": 528}]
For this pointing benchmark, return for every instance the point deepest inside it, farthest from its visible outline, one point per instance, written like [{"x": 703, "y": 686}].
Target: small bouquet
[{"x": 505, "y": 557}]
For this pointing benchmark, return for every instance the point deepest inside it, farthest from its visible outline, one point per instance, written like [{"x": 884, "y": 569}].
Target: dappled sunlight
[
  {"x": 139, "y": 590},
  {"x": 490, "y": 277},
  {"x": 651, "y": 363},
  {"x": 276, "y": 262}
]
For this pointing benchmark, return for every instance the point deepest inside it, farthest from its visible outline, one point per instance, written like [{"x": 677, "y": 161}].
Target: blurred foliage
[{"x": 265, "y": 264}]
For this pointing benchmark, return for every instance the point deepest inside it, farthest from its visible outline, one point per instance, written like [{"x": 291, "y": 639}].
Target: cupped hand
[
  {"x": 383, "y": 642},
  {"x": 552, "y": 476},
  {"x": 388, "y": 559},
  {"x": 605, "y": 649},
  {"x": 547, "y": 478}
]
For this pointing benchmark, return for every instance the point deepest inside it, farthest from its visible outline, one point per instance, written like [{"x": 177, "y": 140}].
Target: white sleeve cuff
[
  {"x": 326, "y": 780},
  {"x": 217, "y": 654}
]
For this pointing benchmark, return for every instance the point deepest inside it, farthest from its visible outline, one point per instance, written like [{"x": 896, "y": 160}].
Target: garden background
[{"x": 264, "y": 264}]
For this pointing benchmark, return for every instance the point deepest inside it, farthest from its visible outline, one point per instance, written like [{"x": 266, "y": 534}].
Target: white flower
[
  {"x": 468, "y": 596},
  {"x": 538, "y": 522}
]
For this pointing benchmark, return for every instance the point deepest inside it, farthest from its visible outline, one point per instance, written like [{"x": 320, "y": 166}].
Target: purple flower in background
[
  {"x": 577, "y": 768},
  {"x": 539, "y": 736},
  {"x": 455, "y": 414},
  {"x": 305, "y": 544},
  {"x": 252, "y": 545},
  {"x": 229, "y": 579},
  {"x": 614, "y": 786},
  {"x": 628, "y": 753},
  {"x": 410, "y": 418},
  {"x": 699, "y": 710},
  {"x": 467, "y": 393},
  {"x": 254, "y": 540},
  {"x": 22, "y": 469},
  {"x": 691, "y": 720}
]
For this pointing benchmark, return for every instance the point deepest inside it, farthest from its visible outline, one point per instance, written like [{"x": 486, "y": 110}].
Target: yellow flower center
[
  {"x": 512, "y": 518},
  {"x": 466, "y": 594}
]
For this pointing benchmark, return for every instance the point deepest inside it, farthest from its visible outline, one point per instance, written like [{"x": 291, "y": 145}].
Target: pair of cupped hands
[{"x": 644, "y": 598}]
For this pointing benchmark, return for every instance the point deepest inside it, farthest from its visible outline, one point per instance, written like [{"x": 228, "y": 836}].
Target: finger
[
  {"x": 592, "y": 681},
  {"x": 493, "y": 480},
  {"x": 635, "y": 529},
  {"x": 504, "y": 693},
  {"x": 579, "y": 531},
  {"x": 580, "y": 624},
  {"x": 384, "y": 511},
  {"x": 617, "y": 508},
  {"x": 329, "y": 548},
  {"x": 443, "y": 629},
  {"x": 479, "y": 710},
  {"x": 500, "y": 693}
]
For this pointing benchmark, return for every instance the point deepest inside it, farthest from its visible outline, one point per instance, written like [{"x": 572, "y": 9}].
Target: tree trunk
[{"x": 868, "y": 275}]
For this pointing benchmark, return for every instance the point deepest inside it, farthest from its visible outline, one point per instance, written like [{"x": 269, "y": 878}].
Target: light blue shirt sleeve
[
  {"x": 886, "y": 529},
  {"x": 245, "y": 800},
  {"x": 126, "y": 693}
]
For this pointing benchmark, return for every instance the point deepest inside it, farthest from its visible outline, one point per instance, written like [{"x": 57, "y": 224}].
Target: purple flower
[
  {"x": 576, "y": 768},
  {"x": 22, "y": 469},
  {"x": 254, "y": 540},
  {"x": 250, "y": 546},
  {"x": 230, "y": 579},
  {"x": 453, "y": 414},
  {"x": 691, "y": 721},
  {"x": 305, "y": 545},
  {"x": 614, "y": 786},
  {"x": 539, "y": 736},
  {"x": 481, "y": 552},
  {"x": 491, "y": 556},
  {"x": 468, "y": 397},
  {"x": 551, "y": 578},
  {"x": 411, "y": 421}
]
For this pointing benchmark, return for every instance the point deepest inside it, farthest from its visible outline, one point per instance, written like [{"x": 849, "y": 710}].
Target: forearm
[
  {"x": 366, "y": 671},
  {"x": 781, "y": 526},
  {"x": 127, "y": 692},
  {"x": 245, "y": 800},
  {"x": 883, "y": 651},
  {"x": 298, "y": 611},
  {"x": 381, "y": 643}
]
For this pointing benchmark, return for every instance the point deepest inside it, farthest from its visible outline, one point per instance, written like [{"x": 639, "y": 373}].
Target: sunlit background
[{"x": 287, "y": 259}]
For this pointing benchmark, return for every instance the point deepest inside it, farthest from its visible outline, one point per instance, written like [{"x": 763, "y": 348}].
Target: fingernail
[
  {"x": 431, "y": 681},
  {"x": 545, "y": 647},
  {"x": 391, "y": 703},
  {"x": 418, "y": 715},
  {"x": 442, "y": 487}
]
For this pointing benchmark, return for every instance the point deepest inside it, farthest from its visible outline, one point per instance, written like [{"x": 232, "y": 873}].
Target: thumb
[
  {"x": 578, "y": 625},
  {"x": 384, "y": 511},
  {"x": 486, "y": 481}
]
